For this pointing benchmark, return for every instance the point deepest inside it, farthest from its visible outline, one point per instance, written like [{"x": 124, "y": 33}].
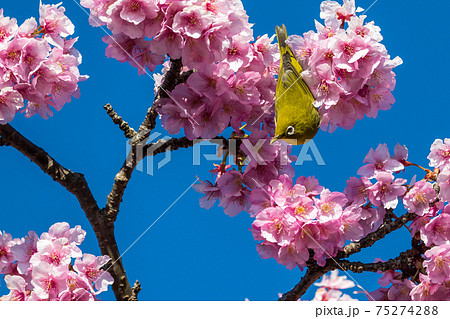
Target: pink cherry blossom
[
  {"x": 90, "y": 265},
  {"x": 27, "y": 28},
  {"x": 311, "y": 184},
  {"x": 191, "y": 21},
  {"x": 260, "y": 199},
  {"x": 10, "y": 102},
  {"x": 400, "y": 290},
  {"x": 257, "y": 147},
  {"x": 332, "y": 11},
  {"x": 379, "y": 161},
  {"x": 169, "y": 42},
  {"x": 293, "y": 254},
  {"x": 436, "y": 231},
  {"x": 41, "y": 268},
  {"x": 275, "y": 226},
  {"x": 424, "y": 291},
  {"x": 418, "y": 198},
  {"x": 386, "y": 190},
  {"x": 230, "y": 183},
  {"x": 323, "y": 294},
  {"x": 48, "y": 281},
  {"x": 55, "y": 252},
  {"x": 17, "y": 289},
  {"x": 212, "y": 193},
  {"x": 356, "y": 190},
  {"x": 78, "y": 289},
  {"x": 438, "y": 263},
  {"x": 267, "y": 250},
  {"x": 440, "y": 154},
  {"x": 443, "y": 181},
  {"x": 334, "y": 281},
  {"x": 6, "y": 256},
  {"x": 8, "y": 27},
  {"x": 418, "y": 224},
  {"x": 233, "y": 205},
  {"x": 74, "y": 235},
  {"x": 378, "y": 295},
  {"x": 22, "y": 252},
  {"x": 401, "y": 153},
  {"x": 351, "y": 226},
  {"x": 55, "y": 24},
  {"x": 330, "y": 205}
]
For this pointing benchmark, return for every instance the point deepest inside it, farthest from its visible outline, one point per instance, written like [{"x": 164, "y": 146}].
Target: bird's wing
[{"x": 290, "y": 70}]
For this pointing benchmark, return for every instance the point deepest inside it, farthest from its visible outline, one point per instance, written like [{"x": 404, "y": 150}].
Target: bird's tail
[
  {"x": 287, "y": 56},
  {"x": 282, "y": 37}
]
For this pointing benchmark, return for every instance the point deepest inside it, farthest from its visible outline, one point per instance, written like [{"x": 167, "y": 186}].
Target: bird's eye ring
[{"x": 290, "y": 130}]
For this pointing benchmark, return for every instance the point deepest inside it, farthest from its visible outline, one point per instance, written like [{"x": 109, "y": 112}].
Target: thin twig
[
  {"x": 135, "y": 291},
  {"x": 124, "y": 126}
]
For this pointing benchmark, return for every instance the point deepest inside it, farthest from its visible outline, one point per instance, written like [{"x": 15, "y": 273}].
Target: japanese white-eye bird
[{"x": 296, "y": 118}]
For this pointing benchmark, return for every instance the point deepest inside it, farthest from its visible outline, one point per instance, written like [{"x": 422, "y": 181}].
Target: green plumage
[{"x": 296, "y": 119}]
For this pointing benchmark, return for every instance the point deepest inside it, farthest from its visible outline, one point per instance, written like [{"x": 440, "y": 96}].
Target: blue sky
[{"x": 196, "y": 254}]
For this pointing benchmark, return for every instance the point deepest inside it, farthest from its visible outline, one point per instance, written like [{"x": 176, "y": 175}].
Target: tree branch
[
  {"x": 76, "y": 184},
  {"x": 314, "y": 271},
  {"x": 405, "y": 262}
]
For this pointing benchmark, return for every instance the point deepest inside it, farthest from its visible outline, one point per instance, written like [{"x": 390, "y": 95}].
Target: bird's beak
[{"x": 275, "y": 138}]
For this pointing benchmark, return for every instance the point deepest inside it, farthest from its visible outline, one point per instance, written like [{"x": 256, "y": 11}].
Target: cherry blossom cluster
[
  {"x": 293, "y": 219},
  {"x": 38, "y": 64},
  {"x": 233, "y": 82},
  {"x": 258, "y": 161},
  {"x": 346, "y": 67},
  {"x": 432, "y": 226},
  {"x": 41, "y": 268},
  {"x": 216, "y": 97}
]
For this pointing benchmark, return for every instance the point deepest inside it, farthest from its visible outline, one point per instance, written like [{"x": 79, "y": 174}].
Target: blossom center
[
  {"x": 233, "y": 51},
  {"x": 91, "y": 273},
  {"x": 385, "y": 190},
  {"x": 300, "y": 210},
  {"x": 445, "y": 153},
  {"x": 361, "y": 32},
  {"x": 3, "y": 251},
  {"x": 323, "y": 88},
  {"x": 420, "y": 198},
  {"x": 193, "y": 20},
  {"x": 55, "y": 258},
  {"x": 3, "y": 34},
  {"x": 329, "y": 55},
  {"x": 210, "y": 7},
  {"x": 440, "y": 262},
  {"x": 135, "y": 6},
  {"x": 239, "y": 90},
  {"x": 49, "y": 284},
  {"x": 349, "y": 49},
  {"x": 277, "y": 226},
  {"x": 13, "y": 56},
  {"x": 327, "y": 208}
]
